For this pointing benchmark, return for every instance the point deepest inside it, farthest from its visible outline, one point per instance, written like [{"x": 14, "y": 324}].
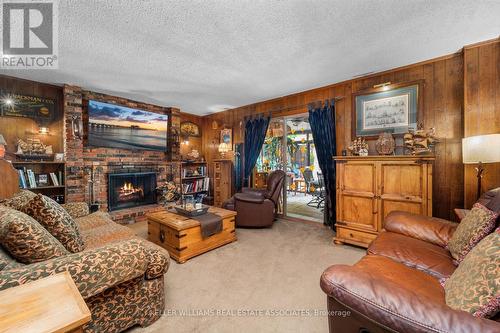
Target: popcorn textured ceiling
[{"x": 205, "y": 56}]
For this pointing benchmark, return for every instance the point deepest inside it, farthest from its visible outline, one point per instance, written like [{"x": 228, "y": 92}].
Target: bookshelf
[
  {"x": 46, "y": 177},
  {"x": 194, "y": 179}
]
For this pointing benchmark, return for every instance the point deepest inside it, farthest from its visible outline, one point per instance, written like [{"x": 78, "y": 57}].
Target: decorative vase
[{"x": 385, "y": 144}]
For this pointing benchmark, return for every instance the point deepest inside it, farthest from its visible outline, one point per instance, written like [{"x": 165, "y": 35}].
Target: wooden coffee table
[{"x": 181, "y": 236}]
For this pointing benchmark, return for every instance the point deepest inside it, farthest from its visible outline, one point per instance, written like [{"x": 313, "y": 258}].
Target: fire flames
[{"x": 129, "y": 192}]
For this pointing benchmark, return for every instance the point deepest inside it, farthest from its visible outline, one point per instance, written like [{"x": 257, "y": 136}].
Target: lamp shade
[
  {"x": 481, "y": 148},
  {"x": 224, "y": 147},
  {"x": 2, "y": 140}
]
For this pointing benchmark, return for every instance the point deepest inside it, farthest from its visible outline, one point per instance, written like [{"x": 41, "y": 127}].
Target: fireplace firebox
[{"x": 127, "y": 190}]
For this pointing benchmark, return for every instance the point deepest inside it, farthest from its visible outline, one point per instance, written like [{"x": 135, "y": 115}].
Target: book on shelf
[
  {"x": 31, "y": 178},
  {"x": 22, "y": 179},
  {"x": 54, "y": 179},
  {"x": 196, "y": 185}
]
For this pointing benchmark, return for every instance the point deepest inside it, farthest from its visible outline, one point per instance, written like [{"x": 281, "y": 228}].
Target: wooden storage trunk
[{"x": 181, "y": 236}]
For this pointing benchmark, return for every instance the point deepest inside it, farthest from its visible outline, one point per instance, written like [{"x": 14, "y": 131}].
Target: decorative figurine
[
  {"x": 169, "y": 193},
  {"x": 33, "y": 149},
  {"x": 385, "y": 144},
  {"x": 358, "y": 147},
  {"x": 194, "y": 155},
  {"x": 420, "y": 141}
]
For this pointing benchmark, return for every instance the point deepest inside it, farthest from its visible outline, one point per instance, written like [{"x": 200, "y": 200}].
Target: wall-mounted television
[{"x": 116, "y": 126}]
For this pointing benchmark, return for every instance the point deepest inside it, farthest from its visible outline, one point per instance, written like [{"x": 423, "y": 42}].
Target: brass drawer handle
[{"x": 162, "y": 236}]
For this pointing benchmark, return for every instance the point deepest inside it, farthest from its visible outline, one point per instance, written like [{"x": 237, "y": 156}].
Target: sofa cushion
[
  {"x": 56, "y": 220},
  {"x": 475, "y": 285},
  {"x": 25, "y": 239},
  {"x": 4, "y": 259},
  {"x": 430, "y": 229},
  {"x": 93, "y": 220},
  {"x": 76, "y": 209},
  {"x": 474, "y": 226},
  {"x": 7, "y": 261},
  {"x": 398, "y": 297},
  {"x": 491, "y": 199},
  {"x": 18, "y": 200},
  {"x": 98, "y": 229},
  {"x": 413, "y": 252},
  {"x": 106, "y": 234}
]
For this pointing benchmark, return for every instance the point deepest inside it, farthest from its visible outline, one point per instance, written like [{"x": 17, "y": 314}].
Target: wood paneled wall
[
  {"x": 14, "y": 128},
  {"x": 482, "y": 107},
  {"x": 442, "y": 109}
]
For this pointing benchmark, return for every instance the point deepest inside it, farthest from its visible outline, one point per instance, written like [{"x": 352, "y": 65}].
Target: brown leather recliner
[
  {"x": 257, "y": 208},
  {"x": 395, "y": 287}
]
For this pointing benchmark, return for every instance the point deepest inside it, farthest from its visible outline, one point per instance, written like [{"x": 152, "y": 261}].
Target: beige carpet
[
  {"x": 274, "y": 270},
  {"x": 296, "y": 206}
]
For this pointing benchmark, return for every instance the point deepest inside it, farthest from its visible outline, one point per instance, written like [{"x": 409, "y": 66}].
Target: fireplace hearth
[{"x": 127, "y": 190}]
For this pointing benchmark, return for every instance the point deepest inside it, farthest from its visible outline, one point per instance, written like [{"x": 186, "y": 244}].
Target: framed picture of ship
[
  {"x": 388, "y": 108},
  {"x": 116, "y": 126}
]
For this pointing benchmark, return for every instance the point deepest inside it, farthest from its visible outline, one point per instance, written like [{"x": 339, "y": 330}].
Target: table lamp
[
  {"x": 481, "y": 149},
  {"x": 223, "y": 149},
  {"x": 3, "y": 143}
]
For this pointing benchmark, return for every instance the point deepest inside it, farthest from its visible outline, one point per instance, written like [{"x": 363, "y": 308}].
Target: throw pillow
[
  {"x": 56, "y": 220},
  {"x": 475, "y": 285},
  {"x": 25, "y": 239},
  {"x": 474, "y": 226},
  {"x": 18, "y": 200}
]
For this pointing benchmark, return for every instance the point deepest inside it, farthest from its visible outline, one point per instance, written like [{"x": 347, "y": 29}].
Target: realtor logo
[{"x": 29, "y": 34}]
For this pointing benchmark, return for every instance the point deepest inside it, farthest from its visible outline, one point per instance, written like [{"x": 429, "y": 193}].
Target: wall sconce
[
  {"x": 3, "y": 143},
  {"x": 223, "y": 149},
  {"x": 43, "y": 130},
  {"x": 76, "y": 127},
  {"x": 215, "y": 125},
  {"x": 384, "y": 86},
  {"x": 185, "y": 140}
]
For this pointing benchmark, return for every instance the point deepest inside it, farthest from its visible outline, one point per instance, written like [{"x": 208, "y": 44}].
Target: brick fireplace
[{"x": 88, "y": 169}]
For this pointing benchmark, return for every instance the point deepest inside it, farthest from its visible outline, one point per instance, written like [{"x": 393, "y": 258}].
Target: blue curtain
[
  {"x": 322, "y": 121},
  {"x": 255, "y": 134},
  {"x": 238, "y": 166}
]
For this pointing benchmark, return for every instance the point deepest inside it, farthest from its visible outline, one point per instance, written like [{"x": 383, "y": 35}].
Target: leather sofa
[
  {"x": 257, "y": 208},
  {"x": 395, "y": 287}
]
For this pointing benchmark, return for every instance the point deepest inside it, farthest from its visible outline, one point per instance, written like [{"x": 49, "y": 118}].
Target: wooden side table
[{"x": 51, "y": 304}]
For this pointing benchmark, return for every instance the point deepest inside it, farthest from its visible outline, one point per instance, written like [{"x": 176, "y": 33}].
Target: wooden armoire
[
  {"x": 223, "y": 181},
  {"x": 369, "y": 188}
]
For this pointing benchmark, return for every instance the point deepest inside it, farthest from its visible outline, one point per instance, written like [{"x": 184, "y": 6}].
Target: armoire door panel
[
  {"x": 401, "y": 180},
  {"x": 358, "y": 178},
  {"x": 359, "y": 212}
]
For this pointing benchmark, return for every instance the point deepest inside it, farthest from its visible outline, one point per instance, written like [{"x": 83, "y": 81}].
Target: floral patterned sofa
[{"x": 119, "y": 275}]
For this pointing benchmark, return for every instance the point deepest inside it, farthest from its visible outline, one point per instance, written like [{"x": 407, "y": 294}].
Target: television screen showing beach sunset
[{"x": 116, "y": 126}]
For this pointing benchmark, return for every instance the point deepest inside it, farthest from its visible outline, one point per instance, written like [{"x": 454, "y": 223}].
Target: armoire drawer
[{"x": 361, "y": 238}]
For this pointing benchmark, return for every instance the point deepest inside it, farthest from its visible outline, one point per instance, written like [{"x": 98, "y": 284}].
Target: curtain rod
[{"x": 295, "y": 107}]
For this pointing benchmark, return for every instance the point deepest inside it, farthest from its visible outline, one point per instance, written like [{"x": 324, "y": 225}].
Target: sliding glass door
[{"x": 289, "y": 147}]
